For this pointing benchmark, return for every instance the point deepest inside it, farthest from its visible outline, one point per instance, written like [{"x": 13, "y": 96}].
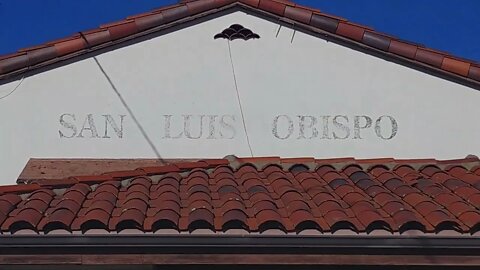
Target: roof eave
[{"x": 241, "y": 250}]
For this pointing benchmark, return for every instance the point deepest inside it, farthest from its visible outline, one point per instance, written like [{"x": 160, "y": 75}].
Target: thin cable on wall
[
  {"x": 122, "y": 100},
  {"x": 14, "y": 89},
  {"x": 278, "y": 30},
  {"x": 130, "y": 112},
  {"x": 238, "y": 98}
]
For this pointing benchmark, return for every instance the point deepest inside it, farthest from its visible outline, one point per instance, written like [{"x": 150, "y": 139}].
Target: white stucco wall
[{"x": 189, "y": 73}]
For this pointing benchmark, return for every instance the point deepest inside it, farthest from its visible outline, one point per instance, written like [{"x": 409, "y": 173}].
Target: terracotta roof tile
[
  {"x": 96, "y": 37},
  {"x": 195, "y": 7},
  {"x": 256, "y": 195},
  {"x": 403, "y": 49},
  {"x": 122, "y": 30},
  {"x": 175, "y": 13},
  {"x": 149, "y": 21},
  {"x": 18, "y": 189},
  {"x": 13, "y": 62},
  {"x": 375, "y": 40},
  {"x": 70, "y": 46},
  {"x": 430, "y": 57},
  {"x": 474, "y": 73},
  {"x": 298, "y": 14},
  {"x": 272, "y": 6},
  {"x": 324, "y": 23},
  {"x": 456, "y": 66},
  {"x": 41, "y": 55},
  {"x": 253, "y": 3},
  {"x": 351, "y": 31}
]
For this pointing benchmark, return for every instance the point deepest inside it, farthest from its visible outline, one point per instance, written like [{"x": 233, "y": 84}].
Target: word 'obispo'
[{"x": 333, "y": 127}]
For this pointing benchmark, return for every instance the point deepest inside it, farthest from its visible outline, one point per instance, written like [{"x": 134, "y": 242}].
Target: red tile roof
[
  {"x": 288, "y": 11},
  {"x": 299, "y": 195}
]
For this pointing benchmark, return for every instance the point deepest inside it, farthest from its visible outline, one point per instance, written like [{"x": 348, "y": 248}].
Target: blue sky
[{"x": 447, "y": 25}]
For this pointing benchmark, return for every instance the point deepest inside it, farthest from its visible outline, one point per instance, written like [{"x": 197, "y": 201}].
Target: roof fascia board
[
  {"x": 238, "y": 261},
  {"x": 248, "y": 244}
]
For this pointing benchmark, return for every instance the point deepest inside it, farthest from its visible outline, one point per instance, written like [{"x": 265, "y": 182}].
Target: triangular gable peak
[
  {"x": 252, "y": 78},
  {"x": 186, "y": 10}
]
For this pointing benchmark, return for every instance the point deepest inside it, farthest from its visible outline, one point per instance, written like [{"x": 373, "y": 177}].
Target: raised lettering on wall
[
  {"x": 336, "y": 127},
  {"x": 194, "y": 127},
  {"x": 92, "y": 126},
  {"x": 217, "y": 127}
]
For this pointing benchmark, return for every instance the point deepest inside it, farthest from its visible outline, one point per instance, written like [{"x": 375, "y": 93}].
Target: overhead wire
[
  {"x": 134, "y": 118},
  {"x": 127, "y": 107},
  {"x": 130, "y": 112},
  {"x": 239, "y": 99},
  {"x": 14, "y": 89}
]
